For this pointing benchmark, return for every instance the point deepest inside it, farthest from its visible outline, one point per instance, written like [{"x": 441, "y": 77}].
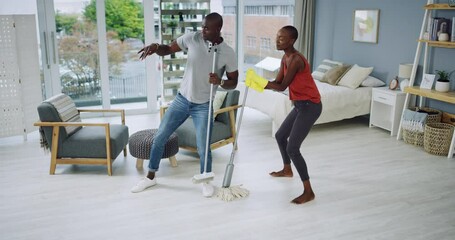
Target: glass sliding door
[
  {"x": 78, "y": 51},
  {"x": 90, "y": 54},
  {"x": 125, "y": 37}
]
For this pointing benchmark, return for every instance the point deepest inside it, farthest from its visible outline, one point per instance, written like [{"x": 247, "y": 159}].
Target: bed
[{"x": 338, "y": 102}]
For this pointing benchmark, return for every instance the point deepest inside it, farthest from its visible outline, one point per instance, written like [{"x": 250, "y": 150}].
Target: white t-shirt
[{"x": 195, "y": 86}]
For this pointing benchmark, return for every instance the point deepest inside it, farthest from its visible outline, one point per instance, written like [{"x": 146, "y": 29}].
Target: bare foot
[
  {"x": 305, "y": 197},
  {"x": 282, "y": 173}
]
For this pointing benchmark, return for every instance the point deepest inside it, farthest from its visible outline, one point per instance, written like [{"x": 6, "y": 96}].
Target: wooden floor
[{"x": 368, "y": 186}]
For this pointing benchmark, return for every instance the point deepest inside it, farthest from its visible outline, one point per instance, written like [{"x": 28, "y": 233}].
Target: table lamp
[{"x": 404, "y": 71}]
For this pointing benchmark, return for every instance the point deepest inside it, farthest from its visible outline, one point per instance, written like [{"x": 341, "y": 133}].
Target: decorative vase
[
  {"x": 443, "y": 37},
  {"x": 442, "y": 85}
]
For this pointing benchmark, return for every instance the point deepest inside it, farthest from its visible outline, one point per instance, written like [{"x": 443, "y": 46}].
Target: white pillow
[
  {"x": 355, "y": 76},
  {"x": 371, "y": 81},
  {"x": 218, "y": 101},
  {"x": 323, "y": 68}
]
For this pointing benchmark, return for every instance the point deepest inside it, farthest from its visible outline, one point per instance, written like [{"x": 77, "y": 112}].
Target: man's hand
[
  {"x": 214, "y": 79},
  {"x": 148, "y": 50},
  {"x": 254, "y": 81}
]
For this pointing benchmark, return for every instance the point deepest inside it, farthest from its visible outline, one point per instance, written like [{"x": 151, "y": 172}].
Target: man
[{"x": 193, "y": 97}]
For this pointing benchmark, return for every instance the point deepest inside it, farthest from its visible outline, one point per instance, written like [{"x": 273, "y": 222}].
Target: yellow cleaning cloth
[{"x": 254, "y": 81}]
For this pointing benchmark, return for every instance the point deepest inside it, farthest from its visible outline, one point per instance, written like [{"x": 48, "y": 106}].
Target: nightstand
[{"x": 386, "y": 108}]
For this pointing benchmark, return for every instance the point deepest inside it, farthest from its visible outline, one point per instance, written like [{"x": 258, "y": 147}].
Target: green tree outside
[
  {"x": 78, "y": 50},
  {"x": 125, "y": 17},
  {"x": 65, "y": 22}
]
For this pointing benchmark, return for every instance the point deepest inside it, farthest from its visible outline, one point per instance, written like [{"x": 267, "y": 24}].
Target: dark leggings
[{"x": 294, "y": 130}]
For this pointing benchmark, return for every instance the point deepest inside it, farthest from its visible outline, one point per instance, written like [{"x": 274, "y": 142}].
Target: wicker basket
[
  {"x": 437, "y": 138},
  {"x": 416, "y": 137}
]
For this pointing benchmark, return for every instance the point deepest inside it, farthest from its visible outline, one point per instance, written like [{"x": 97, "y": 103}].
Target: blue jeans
[{"x": 179, "y": 110}]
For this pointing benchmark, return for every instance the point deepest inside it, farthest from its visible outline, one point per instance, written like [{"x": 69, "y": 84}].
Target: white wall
[{"x": 18, "y": 7}]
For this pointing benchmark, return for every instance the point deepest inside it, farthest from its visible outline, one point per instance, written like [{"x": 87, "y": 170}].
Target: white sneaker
[
  {"x": 207, "y": 190},
  {"x": 143, "y": 184}
]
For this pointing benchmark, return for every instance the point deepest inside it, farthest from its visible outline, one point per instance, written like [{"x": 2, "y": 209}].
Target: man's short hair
[{"x": 214, "y": 16}]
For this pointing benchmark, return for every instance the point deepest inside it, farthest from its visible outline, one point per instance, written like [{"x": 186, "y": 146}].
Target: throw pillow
[
  {"x": 218, "y": 101},
  {"x": 355, "y": 76},
  {"x": 371, "y": 81},
  {"x": 334, "y": 75},
  {"x": 322, "y": 69}
]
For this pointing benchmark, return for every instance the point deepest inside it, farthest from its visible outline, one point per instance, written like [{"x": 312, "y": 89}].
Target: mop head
[{"x": 231, "y": 193}]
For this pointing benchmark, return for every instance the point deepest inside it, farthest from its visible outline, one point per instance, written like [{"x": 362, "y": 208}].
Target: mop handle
[
  {"x": 238, "y": 125},
  {"x": 209, "y": 117}
]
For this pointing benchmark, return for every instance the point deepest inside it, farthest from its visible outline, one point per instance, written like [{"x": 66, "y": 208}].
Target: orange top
[{"x": 303, "y": 86}]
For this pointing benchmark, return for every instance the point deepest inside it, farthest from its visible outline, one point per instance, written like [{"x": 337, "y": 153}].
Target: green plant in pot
[{"x": 443, "y": 82}]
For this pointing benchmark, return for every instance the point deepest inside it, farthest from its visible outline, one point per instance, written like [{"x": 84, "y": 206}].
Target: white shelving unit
[
  {"x": 176, "y": 18},
  {"x": 448, "y": 97}
]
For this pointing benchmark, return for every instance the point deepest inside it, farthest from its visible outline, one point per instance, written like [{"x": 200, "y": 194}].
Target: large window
[
  {"x": 113, "y": 73},
  {"x": 77, "y": 44},
  {"x": 261, "y": 21},
  {"x": 90, "y": 50}
]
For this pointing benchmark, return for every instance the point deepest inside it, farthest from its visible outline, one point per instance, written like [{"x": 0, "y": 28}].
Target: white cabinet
[{"x": 386, "y": 108}]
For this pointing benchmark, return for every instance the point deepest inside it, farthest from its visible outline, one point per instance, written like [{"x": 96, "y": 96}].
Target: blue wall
[{"x": 399, "y": 27}]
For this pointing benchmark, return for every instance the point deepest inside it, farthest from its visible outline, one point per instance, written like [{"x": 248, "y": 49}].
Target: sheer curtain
[{"x": 304, "y": 22}]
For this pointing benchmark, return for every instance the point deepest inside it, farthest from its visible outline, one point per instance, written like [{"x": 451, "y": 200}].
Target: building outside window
[
  {"x": 265, "y": 43},
  {"x": 251, "y": 42},
  {"x": 261, "y": 21}
]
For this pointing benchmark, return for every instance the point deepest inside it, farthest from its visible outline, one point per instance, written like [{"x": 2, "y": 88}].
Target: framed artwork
[
  {"x": 365, "y": 26},
  {"x": 427, "y": 81}
]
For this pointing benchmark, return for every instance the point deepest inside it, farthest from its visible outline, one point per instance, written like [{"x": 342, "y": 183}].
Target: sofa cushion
[
  {"x": 90, "y": 142},
  {"x": 187, "y": 133},
  {"x": 218, "y": 101}
]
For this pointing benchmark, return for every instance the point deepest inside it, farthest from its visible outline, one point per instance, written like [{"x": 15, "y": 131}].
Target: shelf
[
  {"x": 184, "y": 1},
  {"x": 190, "y": 24},
  {"x": 175, "y": 73},
  {"x": 439, "y": 6},
  {"x": 185, "y": 12},
  {"x": 175, "y": 61},
  {"x": 439, "y": 44},
  {"x": 177, "y": 19},
  {"x": 172, "y": 83},
  {"x": 433, "y": 94}
]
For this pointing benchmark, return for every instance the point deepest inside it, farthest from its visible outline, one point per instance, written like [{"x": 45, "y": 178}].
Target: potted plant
[{"x": 443, "y": 82}]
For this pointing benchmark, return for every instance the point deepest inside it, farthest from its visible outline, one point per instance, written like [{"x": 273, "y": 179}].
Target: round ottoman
[{"x": 140, "y": 144}]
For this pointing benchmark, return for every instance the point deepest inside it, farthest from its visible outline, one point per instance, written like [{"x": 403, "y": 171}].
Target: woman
[{"x": 295, "y": 73}]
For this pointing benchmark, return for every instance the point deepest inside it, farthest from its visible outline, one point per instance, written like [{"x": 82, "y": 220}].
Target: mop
[
  {"x": 228, "y": 192},
  {"x": 205, "y": 176}
]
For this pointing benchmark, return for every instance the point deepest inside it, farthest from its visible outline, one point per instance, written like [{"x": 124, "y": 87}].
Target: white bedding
[{"x": 338, "y": 103}]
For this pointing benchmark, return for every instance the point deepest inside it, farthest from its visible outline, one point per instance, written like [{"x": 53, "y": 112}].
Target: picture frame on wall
[
  {"x": 427, "y": 81},
  {"x": 365, "y": 26}
]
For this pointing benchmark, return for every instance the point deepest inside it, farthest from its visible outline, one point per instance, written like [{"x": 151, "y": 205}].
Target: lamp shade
[{"x": 405, "y": 70}]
